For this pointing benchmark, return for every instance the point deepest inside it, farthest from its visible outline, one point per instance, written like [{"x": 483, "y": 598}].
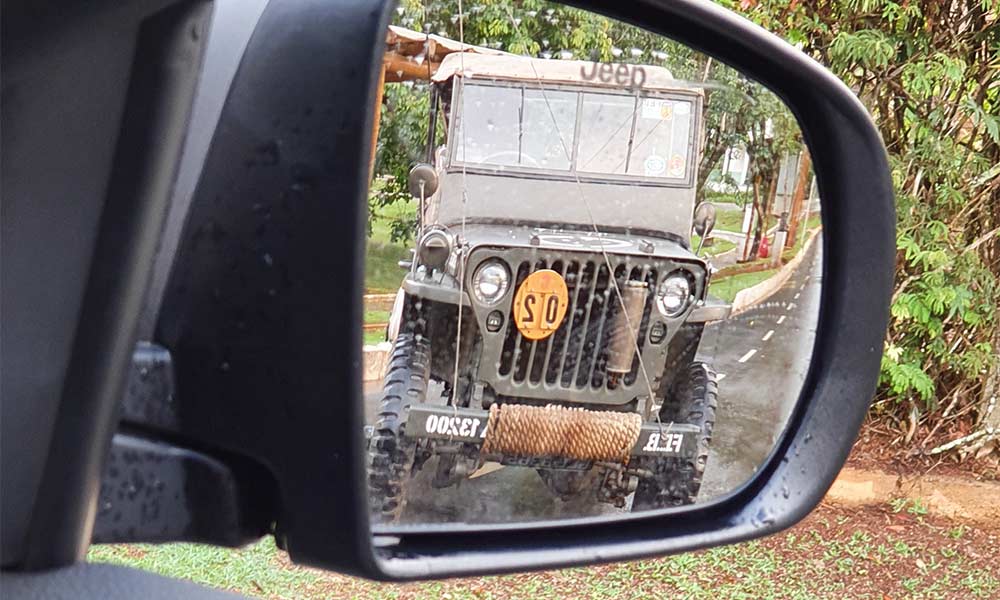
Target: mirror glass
[{"x": 593, "y": 269}]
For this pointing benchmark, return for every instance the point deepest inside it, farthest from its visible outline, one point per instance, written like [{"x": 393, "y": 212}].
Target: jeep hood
[
  {"x": 562, "y": 240},
  {"x": 525, "y": 201}
]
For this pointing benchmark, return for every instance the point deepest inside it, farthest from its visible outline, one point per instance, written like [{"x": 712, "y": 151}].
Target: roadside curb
[
  {"x": 379, "y": 301},
  {"x": 940, "y": 495},
  {"x": 374, "y": 360},
  {"x": 753, "y": 295}
]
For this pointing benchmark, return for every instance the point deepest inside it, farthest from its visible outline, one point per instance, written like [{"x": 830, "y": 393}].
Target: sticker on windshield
[
  {"x": 654, "y": 165},
  {"x": 661, "y": 110},
  {"x": 677, "y": 166}
]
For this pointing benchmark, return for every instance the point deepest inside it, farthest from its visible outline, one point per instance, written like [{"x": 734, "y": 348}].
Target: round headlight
[
  {"x": 490, "y": 282},
  {"x": 674, "y": 294}
]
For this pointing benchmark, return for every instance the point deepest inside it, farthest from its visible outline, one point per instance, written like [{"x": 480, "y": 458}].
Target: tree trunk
[
  {"x": 799, "y": 197},
  {"x": 763, "y": 207},
  {"x": 989, "y": 404}
]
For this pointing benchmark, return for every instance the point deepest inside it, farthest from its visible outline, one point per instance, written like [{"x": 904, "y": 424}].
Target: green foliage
[
  {"x": 401, "y": 143},
  {"x": 927, "y": 71}
]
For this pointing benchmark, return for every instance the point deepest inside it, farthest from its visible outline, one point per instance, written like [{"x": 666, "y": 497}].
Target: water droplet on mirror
[{"x": 763, "y": 518}]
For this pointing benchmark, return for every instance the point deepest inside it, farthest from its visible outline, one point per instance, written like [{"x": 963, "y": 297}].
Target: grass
[
  {"x": 838, "y": 553},
  {"x": 723, "y": 197},
  {"x": 719, "y": 246},
  {"x": 376, "y": 316},
  {"x": 382, "y": 271},
  {"x": 374, "y": 337},
  {"x": 729, "y": 220},
  {"x": 727, "y": 288}
]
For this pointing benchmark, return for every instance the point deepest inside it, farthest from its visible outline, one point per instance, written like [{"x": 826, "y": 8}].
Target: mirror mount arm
[{"x": 432, "y": 124}]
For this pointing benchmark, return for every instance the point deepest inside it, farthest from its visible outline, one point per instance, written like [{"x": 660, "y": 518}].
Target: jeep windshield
[{"x": 591, "y": 134}]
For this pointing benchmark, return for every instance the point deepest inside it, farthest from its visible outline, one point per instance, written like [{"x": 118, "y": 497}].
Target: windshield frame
[{"x": 572, "y": 174}]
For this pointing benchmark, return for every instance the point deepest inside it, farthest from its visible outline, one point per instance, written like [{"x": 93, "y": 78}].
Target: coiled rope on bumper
[{"x": 559, "y": 431}]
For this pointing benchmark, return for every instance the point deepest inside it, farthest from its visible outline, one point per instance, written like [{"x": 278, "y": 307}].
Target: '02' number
[{"x": 550, "y": 315}]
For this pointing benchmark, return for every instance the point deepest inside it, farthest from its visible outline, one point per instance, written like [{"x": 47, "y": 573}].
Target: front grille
[{"x": 574, "y": 358}]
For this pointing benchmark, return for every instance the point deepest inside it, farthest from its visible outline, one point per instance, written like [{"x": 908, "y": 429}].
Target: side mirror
[
  {"x": 267, "y": 362},
  {"x": 704, "y": 219},
  {"x": 422, "y": 181}
]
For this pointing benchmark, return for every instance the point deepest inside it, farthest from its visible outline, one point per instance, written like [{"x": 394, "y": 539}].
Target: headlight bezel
[
  {"x": 497, "y": 266},
  {"x": 675, "y": 279}
]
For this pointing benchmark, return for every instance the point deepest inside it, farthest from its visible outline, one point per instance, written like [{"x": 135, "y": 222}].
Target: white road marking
[
  {"x": 781, "y": 319},
  {"x": 767, "y": 336},
  {"x": 747, "y": 356},
  {"x": 796, "y": 296},
  {"x": 720, "y": 376}
]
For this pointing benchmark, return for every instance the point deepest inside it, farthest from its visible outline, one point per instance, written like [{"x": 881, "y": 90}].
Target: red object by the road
[{"x": 765, "y": 248}]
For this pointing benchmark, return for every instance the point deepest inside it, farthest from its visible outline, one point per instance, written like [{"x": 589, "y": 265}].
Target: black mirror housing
[{"x": 266, "y": 362}]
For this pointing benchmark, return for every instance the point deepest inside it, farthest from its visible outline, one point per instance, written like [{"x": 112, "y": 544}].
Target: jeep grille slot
[{"x": 575, "y": 356}]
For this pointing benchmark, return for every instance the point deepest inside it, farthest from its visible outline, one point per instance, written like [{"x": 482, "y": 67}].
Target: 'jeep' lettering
[{"x": 633, "y": 76}]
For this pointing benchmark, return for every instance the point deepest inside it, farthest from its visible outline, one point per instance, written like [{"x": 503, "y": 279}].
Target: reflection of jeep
[{"x": 553, "y": 270}]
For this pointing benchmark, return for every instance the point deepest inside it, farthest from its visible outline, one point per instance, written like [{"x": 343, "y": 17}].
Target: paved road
[{"x": 761, "y": 356}]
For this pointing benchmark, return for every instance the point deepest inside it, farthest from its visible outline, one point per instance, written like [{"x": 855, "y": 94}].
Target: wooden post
[
  {"x": 798, "y": 197},
  {"x": 376, "y": 120}
]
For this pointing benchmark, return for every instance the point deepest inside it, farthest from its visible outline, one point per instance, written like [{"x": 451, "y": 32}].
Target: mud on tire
[
  {"x": 692, "y": 399},
  {"x": 390, "y": 454}
]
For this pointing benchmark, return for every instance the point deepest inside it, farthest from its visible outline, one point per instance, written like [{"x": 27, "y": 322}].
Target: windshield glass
[{"x": 617, "y": 135}]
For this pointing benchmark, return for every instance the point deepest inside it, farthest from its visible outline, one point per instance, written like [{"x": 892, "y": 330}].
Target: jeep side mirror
[
  {"x": 422, "y": 181},
  {"x": 704, "y": 219}
]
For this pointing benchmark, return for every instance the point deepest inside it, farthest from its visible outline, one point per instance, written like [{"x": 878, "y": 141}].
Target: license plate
[{"x": 540, "y": 304}]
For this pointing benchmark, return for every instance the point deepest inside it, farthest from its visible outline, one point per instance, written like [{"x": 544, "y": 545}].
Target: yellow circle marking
[{"x": 540, "y": 304}]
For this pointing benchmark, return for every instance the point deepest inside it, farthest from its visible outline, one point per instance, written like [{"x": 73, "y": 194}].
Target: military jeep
[{"x": 553, "y": 299}]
